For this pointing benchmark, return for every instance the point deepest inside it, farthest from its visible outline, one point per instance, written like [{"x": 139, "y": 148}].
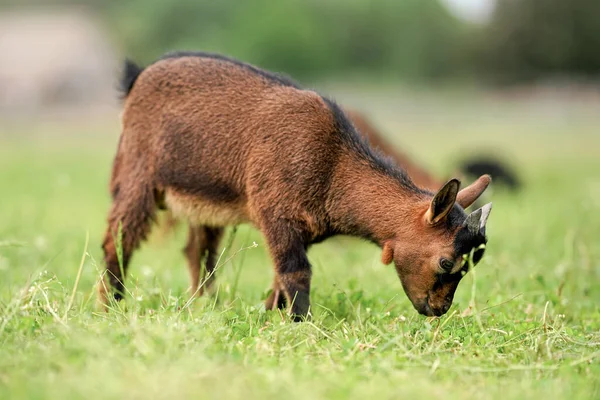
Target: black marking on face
[
  {"x": 455, "y": 217},
  {"x": 465, "y": 242}
]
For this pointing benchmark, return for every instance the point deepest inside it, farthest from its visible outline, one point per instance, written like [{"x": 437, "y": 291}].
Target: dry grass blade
[{"x": 80, "y": 269}]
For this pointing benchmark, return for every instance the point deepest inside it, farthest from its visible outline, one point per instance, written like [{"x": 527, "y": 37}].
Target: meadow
[{"x": 525, "y": 322}]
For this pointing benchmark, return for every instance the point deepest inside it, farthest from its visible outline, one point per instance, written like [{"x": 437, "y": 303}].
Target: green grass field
[{"x": 525, "y": 323}]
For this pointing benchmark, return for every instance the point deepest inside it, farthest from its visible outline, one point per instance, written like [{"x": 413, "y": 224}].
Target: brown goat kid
[{"x": 219, "y": 142}]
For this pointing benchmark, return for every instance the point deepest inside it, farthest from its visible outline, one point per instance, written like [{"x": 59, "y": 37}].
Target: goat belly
[{"x": 201, "y": 211}]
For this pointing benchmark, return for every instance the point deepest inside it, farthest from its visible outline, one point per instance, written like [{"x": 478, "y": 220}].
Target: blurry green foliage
[
  {"x": 406, "y": 39},
  {"x": 412, "y": 39},
  {"x": 532, "y": 39}
]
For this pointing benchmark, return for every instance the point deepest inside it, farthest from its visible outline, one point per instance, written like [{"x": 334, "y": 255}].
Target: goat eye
[{"x": 446, "y": 265}]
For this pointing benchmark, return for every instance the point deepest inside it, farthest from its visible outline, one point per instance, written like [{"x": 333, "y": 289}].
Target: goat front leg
[
  {"x": 292, "y": 271},
  {"x": 276, "y": 299}
]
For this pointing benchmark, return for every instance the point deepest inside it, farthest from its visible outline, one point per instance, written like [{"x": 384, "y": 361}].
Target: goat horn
[
  {"x": 472, "y": 221},
  {"x": 485, "y": 213},
  {"x": 476, "y": 221}
]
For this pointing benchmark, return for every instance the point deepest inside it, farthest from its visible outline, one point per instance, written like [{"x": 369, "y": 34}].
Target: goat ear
[
  {"x": 471, "y": 193},
  {"x": 387, "y": 255},
  {"x": 442, "y": 202}
]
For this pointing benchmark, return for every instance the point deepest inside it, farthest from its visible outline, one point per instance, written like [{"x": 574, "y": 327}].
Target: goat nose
[{"x": 446, "y": 307}]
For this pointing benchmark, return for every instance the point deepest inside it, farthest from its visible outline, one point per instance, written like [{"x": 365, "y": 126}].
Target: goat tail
[{"x": 130, "y": 73}]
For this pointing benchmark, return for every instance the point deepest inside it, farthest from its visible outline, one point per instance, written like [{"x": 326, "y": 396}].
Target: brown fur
[
  {"x": 419, "y": 175},
  {"x": 218, "y": 143}
]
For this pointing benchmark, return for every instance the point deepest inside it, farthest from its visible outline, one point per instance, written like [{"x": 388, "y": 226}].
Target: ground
[{"x": 525, "y": 323}]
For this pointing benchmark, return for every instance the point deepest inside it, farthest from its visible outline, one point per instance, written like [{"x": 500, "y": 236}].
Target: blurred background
[{"x": 66, "y": 54}]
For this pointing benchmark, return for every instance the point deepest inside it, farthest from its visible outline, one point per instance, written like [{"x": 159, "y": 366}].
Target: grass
[{"x": 524, "y": 324}]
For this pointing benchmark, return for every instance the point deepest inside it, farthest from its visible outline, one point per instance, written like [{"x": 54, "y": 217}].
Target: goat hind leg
[
  {"x": 132, "y": 213},
  {"x": 202, "y": 240}
]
